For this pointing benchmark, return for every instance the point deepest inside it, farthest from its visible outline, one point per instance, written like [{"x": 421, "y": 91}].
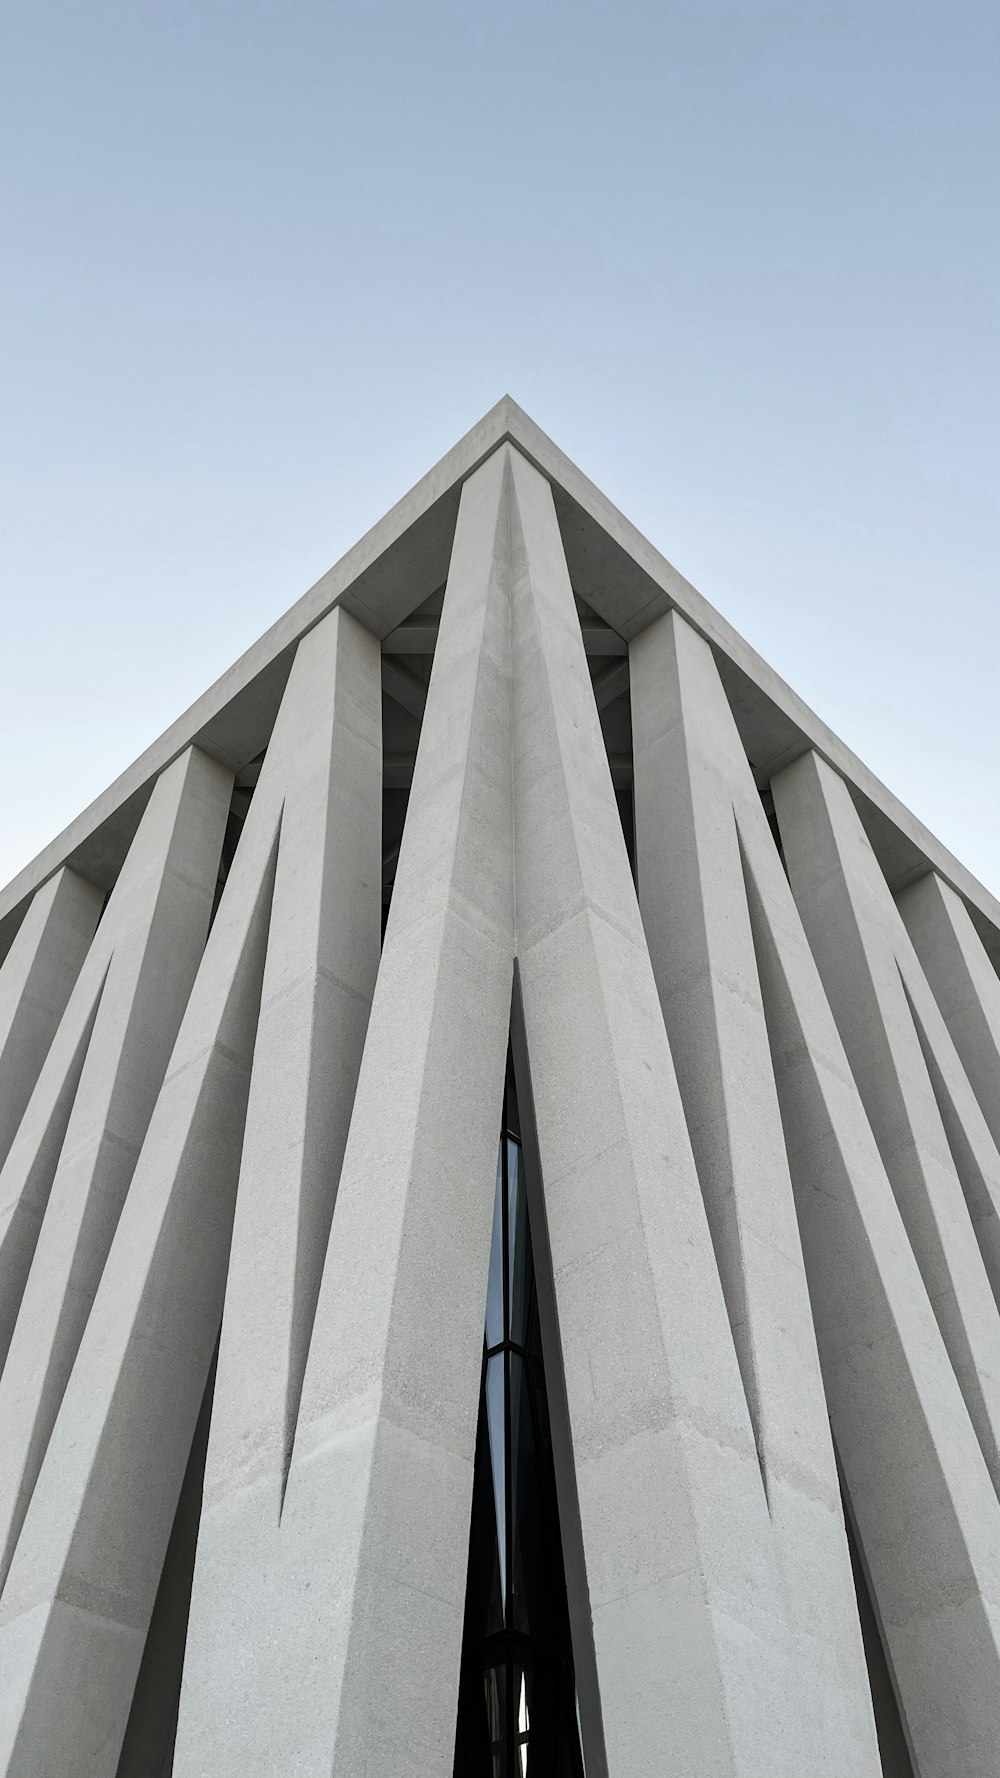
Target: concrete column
[
  {"x": 36, "y": 978},
  {"x": 693, "y": 796},
  {"x": 927, "y": 1513},
  {"x": 330, "y": 1642},
  {"x": 303, "y": 891},
  {"x": 963, "y": 982},
  {"x": 322, "y": 960},
  {"x": 118, "y": 1030},
  {"x": 81, "y": 1587},
  {"x": 908, "y": 1073},
  {"x": 691, "y": 1635}
]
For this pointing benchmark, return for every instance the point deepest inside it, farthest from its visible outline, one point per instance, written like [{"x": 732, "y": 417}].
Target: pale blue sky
[{"x": 263, "y": 264}]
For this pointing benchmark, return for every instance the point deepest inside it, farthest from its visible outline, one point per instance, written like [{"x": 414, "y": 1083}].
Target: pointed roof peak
[{"x": 623, "y": 579}]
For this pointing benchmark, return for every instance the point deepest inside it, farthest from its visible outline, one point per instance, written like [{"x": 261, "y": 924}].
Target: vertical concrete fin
[
  {"x": 30, "y": 1183},
  {"x": 36, "y": 979},
  {"x": 375, "y": 1516},
  {"x": 862, "y": 951},
  {"x": 976, "y": 1161},
  {"x": 145, "y": 954},
  {"x": 261, "y": 1043},
  {"x": 325, "y": 757},
  {"x": 927, "y": 1513},
  {"x": 699, "y": 942},
  {"x": 694, "y": 798},
  {"x": 925, "y": 1509},
  {"x": 82, "y": 1585},
  {"x": 718, "y": 1153},
  {"x": 146, "y": 951},
  {"x": 672, "y": 1513},
  {"x": 962, "y": 980},
  {"x": 963, "y": 1118},
  {"x": 344, "y": 965}
]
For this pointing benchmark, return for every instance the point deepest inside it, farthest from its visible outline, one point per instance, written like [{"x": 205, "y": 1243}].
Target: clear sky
[{"x": 264, "y": 262}]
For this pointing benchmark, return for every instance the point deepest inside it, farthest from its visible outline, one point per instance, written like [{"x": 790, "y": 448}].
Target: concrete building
[{"x": 499, "y": 1252}]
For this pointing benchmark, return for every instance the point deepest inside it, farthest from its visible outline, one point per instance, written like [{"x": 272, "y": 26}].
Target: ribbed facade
[{"x": 499, "y": 1242}]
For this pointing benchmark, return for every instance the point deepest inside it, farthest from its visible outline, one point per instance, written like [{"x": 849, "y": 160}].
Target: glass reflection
[
  {"x": 523, "y": 1722},
  {"x": 496, "y": 1420},
  {"x": 496, "y": 1717},
  {"x": 494, "y": 1289},
  {"x": 520, "y": 1272},
  {"x": 517, "y": 1701}
]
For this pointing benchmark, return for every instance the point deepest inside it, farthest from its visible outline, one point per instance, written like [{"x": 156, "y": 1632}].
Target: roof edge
[{"x": 656, "y": 587}]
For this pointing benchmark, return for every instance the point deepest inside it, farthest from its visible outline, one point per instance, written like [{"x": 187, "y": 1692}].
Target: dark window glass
[
  {"x": 495, "y": 1403},
  {"x": 494, "y": 1293},
  {"x": 495, "y": 1684},
  {"x": 530, "y": 1580},
  {"x": 520, "y": 1271},
  {"x": 517, "y": 1702}
]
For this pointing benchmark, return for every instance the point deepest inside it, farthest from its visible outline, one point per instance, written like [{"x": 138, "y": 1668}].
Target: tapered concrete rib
[
  {"x": 304, "y": 889},
  {"x": 689, "y": 1626},
  {"x": 887, "y": 1017},
  {"x": 693, "y": 790},
  {"x": 926, "y": 1510},
  {"x": 141, "y": 966},
  {"x": 36, "y": 979},
  {"x": 26, "y": 1179},
  {"x": 375, "y": 1518},
  {"x": 321, "y": 966},
  {"x": 970, "y": 1141},
  {"x": 323, "y": 954},
  {"x": 963, "y": 982},
  {"x": 81, "y": 1588}
]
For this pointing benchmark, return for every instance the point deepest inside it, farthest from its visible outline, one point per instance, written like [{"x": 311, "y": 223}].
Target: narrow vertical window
[{"x": 517, "y": 1701}]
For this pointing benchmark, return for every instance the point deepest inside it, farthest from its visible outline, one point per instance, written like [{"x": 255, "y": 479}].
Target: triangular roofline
[{"x": 398, "y": 564}]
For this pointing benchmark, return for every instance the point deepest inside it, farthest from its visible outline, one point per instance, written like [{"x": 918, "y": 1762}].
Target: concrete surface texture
[{"x": 503, "y": 771}]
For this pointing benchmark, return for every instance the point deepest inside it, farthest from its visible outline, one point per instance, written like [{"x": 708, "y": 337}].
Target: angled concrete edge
[{"x": 398, "y": 564}]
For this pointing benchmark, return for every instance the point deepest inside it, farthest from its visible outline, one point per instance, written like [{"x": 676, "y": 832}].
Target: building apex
[{"x": 398, "y": 564}]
